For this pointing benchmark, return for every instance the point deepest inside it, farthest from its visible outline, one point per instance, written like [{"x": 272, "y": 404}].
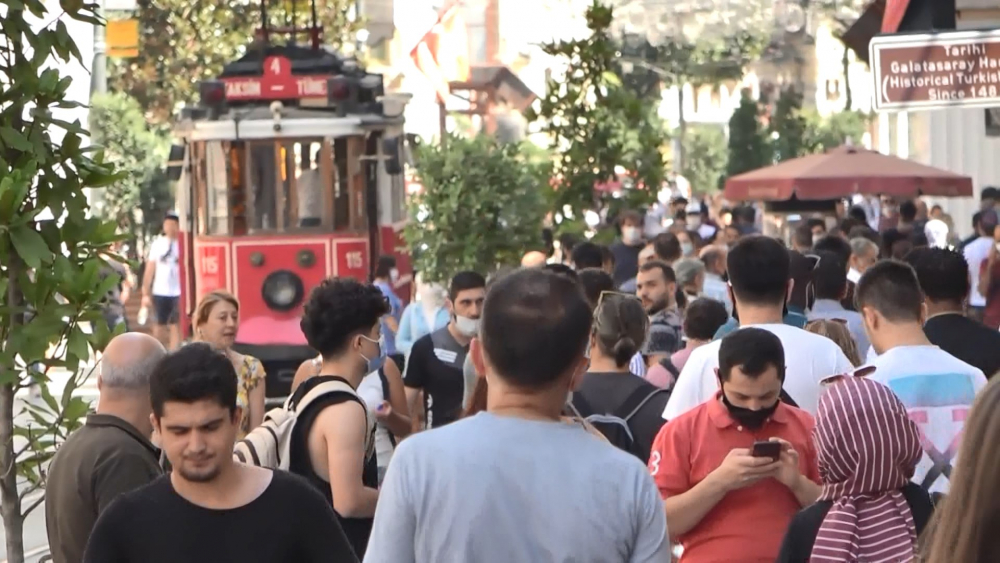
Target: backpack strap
[
  {"x": 669, "y": 366},
  {"x": 635, "y": 401},
  {"x": 317, "y": 387}
]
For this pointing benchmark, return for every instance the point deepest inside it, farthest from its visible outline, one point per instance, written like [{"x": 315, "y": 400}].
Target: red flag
[
  {"x": 893, "y": 15},
  {"x": 442, "y": 55}
]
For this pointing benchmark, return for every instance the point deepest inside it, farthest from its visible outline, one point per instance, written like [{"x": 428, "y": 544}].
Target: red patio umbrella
[{"x": 843, "y": 172}]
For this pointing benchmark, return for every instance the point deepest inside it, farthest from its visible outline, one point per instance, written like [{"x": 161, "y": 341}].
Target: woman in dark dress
[{"x": 869, "y": 510}]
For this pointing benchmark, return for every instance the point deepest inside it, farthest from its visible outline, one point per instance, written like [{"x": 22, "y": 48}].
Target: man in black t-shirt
[
  {"x": 210, "y": 508},
  {"x": 944, "y": 279},
  {"x": 330, "y": 441},
  {"x": 435, "y": 362}
]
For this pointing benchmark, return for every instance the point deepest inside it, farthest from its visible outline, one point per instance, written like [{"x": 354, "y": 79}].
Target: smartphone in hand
[{"x": 767, "y": 449}]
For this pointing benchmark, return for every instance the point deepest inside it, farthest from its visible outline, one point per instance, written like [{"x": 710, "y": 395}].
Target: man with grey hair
[
  {"x": 111, "y": 454},
  {"x": 864, "y": 253},
  {"x": 690, "y": 277},
  {"x": 714, "y": 258}
]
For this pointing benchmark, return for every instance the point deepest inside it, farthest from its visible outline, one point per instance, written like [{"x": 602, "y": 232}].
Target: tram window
[
  {"x": 238, "y": 189},
  {"x": 217, "y": 187},
  {"x": 397, "y": 192},
  {"x": 263, "y": 175},
  {"x": 342, "y": 186}
]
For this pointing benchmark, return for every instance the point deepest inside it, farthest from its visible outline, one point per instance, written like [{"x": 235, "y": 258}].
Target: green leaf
[
  {"x": 14, "y": 139},
  {"x": 30, "y": 246}
]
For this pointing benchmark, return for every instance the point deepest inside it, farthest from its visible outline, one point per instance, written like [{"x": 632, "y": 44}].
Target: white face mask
[
  {"x": 631, "y": 235},
  {"x": 465, "y": 325},
  {"x": 693, "y": 221},
  {"x": 394, "y": 275}
]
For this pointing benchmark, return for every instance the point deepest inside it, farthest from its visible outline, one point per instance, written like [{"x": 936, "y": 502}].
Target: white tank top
[{"x": 370, "y": 391}]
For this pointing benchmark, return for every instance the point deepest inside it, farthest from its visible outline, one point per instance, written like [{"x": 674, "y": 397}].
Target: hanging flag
[
  {"x": 893, "y": 15},
  {"x": 442, "y": 55}
]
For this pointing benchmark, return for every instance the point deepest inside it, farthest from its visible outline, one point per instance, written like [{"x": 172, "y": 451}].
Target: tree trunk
[
  {"x": 846, "y": 62},
  {"x": 10, "y": 499}
]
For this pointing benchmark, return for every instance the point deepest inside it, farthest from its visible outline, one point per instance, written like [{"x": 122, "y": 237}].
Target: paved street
[{"x": 35, "y": 542}]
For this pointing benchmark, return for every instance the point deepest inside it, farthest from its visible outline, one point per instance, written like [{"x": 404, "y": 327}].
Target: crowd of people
[{"x": 695, "y": 390}]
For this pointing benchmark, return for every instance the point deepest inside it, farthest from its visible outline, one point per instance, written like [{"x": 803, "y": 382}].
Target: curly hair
[
  {"x": 193, "y": 373},
  {"x": 337, "y": 309}
]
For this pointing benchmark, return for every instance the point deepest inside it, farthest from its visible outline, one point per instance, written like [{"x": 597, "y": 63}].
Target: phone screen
[{"x": 767, "y": 449}]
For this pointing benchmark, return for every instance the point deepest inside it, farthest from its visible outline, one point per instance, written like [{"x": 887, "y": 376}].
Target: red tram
[{"x": 292, "y": 174}]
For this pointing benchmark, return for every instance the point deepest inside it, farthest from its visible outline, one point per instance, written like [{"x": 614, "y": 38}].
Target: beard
[{"x": 200, "y": 475}]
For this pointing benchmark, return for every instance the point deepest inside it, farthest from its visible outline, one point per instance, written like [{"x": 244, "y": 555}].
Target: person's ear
[
  {"x": 478, "y": 362},
  {"x": 581, "y": 368},
  {"x": 237, "y": 415},
  {"x": 923, "y": 312},
  {"x": 154, "y": 422},
  {"x": 718, "y": 379},
  {"x": 448, "y": 304}
]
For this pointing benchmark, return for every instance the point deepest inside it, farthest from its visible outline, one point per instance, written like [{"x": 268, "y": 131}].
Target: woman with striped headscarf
[{"x": 869, "y": 511}]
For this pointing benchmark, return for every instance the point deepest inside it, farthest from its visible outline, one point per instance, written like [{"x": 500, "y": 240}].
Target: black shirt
[
  {"x": 626, "y": 261},
  {"x": 606, "y": 392},
  {"x": 972, "y": 342},
  {"x": 801, "y": 535},
  {"x": 358, "y": 530},
  {"x": 289, "y": 521},
  {"x": 435, "y": 366}
]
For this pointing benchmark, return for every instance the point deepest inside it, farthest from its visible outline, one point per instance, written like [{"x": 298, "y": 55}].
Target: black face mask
[{"x": 746, "y": 417}]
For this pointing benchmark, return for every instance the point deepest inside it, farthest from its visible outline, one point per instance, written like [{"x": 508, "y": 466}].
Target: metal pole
[{"x": 99, "y": 70}]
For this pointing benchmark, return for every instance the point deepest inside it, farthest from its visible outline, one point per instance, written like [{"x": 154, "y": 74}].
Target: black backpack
[{"x": 614, "y": 425}]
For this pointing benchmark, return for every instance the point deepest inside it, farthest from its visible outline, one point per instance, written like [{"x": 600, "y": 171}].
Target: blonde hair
[
  {"x": 209, "y": 301},
  {"x": 841, "y": 336}
]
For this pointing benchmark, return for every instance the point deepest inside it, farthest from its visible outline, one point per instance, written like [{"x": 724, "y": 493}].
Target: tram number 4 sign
[
  {"x": 936, "y": 70},
  {"x": 276, "y": 83}
]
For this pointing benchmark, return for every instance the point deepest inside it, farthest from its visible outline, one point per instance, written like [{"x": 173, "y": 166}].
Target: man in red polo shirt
[{"x": 722, "y": 502}]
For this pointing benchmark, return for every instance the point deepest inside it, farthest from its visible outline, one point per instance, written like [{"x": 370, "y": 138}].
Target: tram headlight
[{"x": 282, "y": 290}]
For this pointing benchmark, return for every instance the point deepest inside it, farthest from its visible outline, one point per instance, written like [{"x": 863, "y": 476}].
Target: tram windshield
[{"x": 267, "y": 186}]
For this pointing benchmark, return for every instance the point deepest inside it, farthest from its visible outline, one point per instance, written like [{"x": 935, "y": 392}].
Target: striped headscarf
[{"x": 868, "y": 449}]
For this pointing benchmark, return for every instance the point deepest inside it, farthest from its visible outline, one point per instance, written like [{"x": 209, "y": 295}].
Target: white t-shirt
[
  {"x": 167, "y": 278},
  {"x": 370, "y": 391},
  {"x": 975, "y": 253},
  {"x": 809, "y": 358},
  {"x": 938, "y": 390}
]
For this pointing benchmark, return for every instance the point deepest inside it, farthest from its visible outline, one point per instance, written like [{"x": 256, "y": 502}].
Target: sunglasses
[{"x": 862, "y": 372}]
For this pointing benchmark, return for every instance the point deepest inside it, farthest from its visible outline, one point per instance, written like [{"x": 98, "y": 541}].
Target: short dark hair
[
  {"x": 759, "y": 270},
  {"x": 703, "y": 317},
  {"x": 816, "y": 222},
  {"x": 836, "y": 245},
  {"x": 830, "y": 276},
  {"x": 908, "y": 211},
  {"x": 594, "y": 282},
  {"x": 629, "y": 215},
  {"x": 337, "y": 309},
  {"x": 803, "y": 235},
  {"x": 463, "y": 281},
  {"x": 196, "y": 372},
  {"x": 587, "y": 255},
  {"x": 977, "y": 218},
  {"x": 753, "y": 350},
  {"x": 858, "y": 214},
  {"x": 535, "y": 327},
  {"x": 668, "y": 273},
  {"x": 384, "y": 266},
  {"x": 667, "y": 246},
  {"x": 989, "y": 192},
  {"x": 864, "y": 231},
  {"x": 943, "y": 273},
  {"x": 891, "y": 288},
  {"x": 561, "y": 269}
]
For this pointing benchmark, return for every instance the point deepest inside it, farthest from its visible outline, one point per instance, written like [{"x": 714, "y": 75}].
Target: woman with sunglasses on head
[
  {"x": 609, "y": 389},
  {"x": 216, "y": 320}
]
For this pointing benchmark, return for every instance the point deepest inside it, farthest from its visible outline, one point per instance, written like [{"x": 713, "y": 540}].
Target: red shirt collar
[{"x": 719, "y": 415}]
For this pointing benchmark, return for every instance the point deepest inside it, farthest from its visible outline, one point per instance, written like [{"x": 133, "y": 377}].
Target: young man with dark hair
[
  {"x": 161, "y": 283},
  {"x": 936, "y": 387},
  {"x": 760, "y": 278},
  {"x": 657, "y": 288},
  {"x": 707, "y": 466},
  {"x": 627, "y": 248},
  {"x": 535, "y": 330},
  {"x": 207, "y": 496},
  {"x": 944, "y": 278},
  {"x": 831, "y": 285},
  {"x": 435, "y": 362},
  {"x": 333, "y": 439},
  {"x": 907, "y": 217},
  {"x": 587, "y": 255},
  {"x": 842, "y": 248}
]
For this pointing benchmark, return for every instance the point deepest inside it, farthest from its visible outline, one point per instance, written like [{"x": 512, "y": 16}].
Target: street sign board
[{"x": 936, "y": 70}]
